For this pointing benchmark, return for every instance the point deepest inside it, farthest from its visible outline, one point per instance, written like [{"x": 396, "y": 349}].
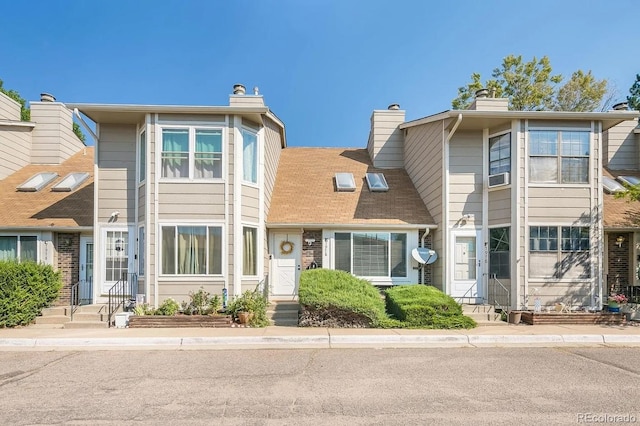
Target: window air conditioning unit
[{"x": 499, "y": 179}]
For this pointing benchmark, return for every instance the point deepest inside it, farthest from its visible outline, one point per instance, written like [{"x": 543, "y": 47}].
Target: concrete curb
[{"x": 317, "y": 341}]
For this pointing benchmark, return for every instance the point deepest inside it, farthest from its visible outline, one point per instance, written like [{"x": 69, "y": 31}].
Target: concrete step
[
  {"x": 285, "y": 322},
  {"x": 89, "y": 316},
  {"x": 86, "y": 324},
  {"x": 52, "y": 319},
  {"x": 55, "y": 310},
  {"x": 47, "y": 326},
  {"x": 484, "y": 317},
  {"x": 283, "y": 313},
  {"x": 98, "y": 308},
  {"x": 477, "y": 309}
]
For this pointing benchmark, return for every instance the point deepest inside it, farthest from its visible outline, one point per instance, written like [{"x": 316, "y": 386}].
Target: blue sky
[{"x": 322, "y": 66}]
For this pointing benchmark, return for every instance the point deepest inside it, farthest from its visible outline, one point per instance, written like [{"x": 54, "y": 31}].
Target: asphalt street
[{"x": 321, "y": 386}]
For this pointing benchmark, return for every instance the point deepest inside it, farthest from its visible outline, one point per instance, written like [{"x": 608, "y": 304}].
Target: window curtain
[
  {"x": 208, "y": 155},
  {"x": 8, "y": 248},
  {"x": 28, "y": 249},
  {"x": 168, "y": 250},
  {"x": 141, "y": 251},
  {"x": 343, "y": 251},
  {"x": 143, "y": 157},
  {"x": 249, "y": 266},
  {"x": 250, "y": 157},
  {"x": 191, "y": 250},
  {"x": 175, "y": 153},
  {"x": 215, "y": 250}
]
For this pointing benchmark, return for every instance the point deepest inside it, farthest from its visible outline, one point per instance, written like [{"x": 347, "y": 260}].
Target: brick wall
[
  {"x": 426, "y": 274},
  {"x": 313, "y": 252},
  {"x": 68, "y": 248},
  {"x": 618, "y": 275}
]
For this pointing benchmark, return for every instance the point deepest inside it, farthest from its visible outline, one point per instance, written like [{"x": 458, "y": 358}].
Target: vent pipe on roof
[
  {"x": 394, "y": 107},
  {"x": 621, "y": 106},
  {"x": 47, "y": 97},
  {"x": 239, "y": 89},
  {"x": 482, "y": 93}
]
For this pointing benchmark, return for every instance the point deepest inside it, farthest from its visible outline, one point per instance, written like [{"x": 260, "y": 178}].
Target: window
[
  {"x": 345, "y": 182},
  {"x": 193, "y": 153},
  {"x": 142, "y": 172},
  {"x": 499, "y": 259},
  {"x": 141, "y": 251},
  {"x": 20, "y": 248},
  {"x": 559, "y": 156},
  {"x": 569, "y": 259},
  {"x": 377, "y": 182},
  {"x": 249, "y": 156},
  {"x": 249, "y": 251},
  {"x": 37, "y": 182},
  {"x": 191, "y": 250},
  {"x": 70, "y": 182},
  {"x": 500, "y": 154},
  {"x": 371, "y": 254}
]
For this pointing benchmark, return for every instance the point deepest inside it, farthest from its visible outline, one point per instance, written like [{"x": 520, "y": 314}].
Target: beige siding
[
  {"x": 570, "y": 293},
  {"x": 191, "y": 200},
  {"x": 9, "y": 109},
  {"x": 179, "y": 290},
  {"x": 620, "y": 146},
  {"x": 465, "y": 177},
  {"x": 250, "y": 203},
  {"x": 386, "y": 140},
  {"x": 116, "y": 161},
  {"x": 246, "y": 101},
  {"x": 272, "y": 150},
  {"x": 53, "y": 137},
  {"x": 142, "y": 207},
  {"x": 505, "y": 128},
  {"x": 522, "y": 243},
  {"x": 423, "y": 162},
  {"x": 499, "y": 206},
  {"x": 15, "y": 149},
  {"x": 190, "y": 118},
  {"x": 559, "y": 205}
]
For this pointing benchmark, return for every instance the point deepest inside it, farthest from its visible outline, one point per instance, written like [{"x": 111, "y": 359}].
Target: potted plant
[
  {"x": 614, "y": 301},
  {"x": 249, "y": 309}
]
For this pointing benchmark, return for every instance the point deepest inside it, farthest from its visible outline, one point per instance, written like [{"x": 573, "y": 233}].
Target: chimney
[
  {"x": 483, "y": 102},
  {"x": 47, "y": 97},
  {"x": 482, "y": 93},
  {"x": 386, "y": 140},
  {"x": 239, "y": 89},
  {"x": 239, "y": 98},
  {"x": 621, "y": 106}
]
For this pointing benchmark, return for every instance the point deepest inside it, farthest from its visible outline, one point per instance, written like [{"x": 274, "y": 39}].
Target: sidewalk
[{"x": 273, "y": 337}]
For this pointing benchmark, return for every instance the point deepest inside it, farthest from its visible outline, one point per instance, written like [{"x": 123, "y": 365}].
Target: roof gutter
[
  {"x": 455, "y": 127},
  {"x": 47, "y": 228},
  {"x": 351, "y": 226},
  {"x": 84, "y": 124}
]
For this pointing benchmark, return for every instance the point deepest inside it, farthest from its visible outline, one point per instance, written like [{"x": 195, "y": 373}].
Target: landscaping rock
[{"x": 332, "y": 317}]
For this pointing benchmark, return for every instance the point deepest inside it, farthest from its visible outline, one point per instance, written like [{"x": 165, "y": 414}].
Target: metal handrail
[
  {"x": 74, "y": 300},
  {"x": 118, "y": 292},
  {"x": 459, "y": 299},
  {"x": 495, "y": 303}
]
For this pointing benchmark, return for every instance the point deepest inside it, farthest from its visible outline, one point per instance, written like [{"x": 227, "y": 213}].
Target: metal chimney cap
[
  {"x": 621, "y": 106},
  {"x": 47, "y": 97},
  {"x": 239, "y": 89},
  {"x": 482, "y": 93},
  {"x": 394, "y": 107}
]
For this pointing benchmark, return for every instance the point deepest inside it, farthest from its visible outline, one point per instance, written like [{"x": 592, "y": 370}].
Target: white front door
[
  {"x": 116, "y": 255},
  {"x": 85, "y": 290},
  {"x": 466, "y": 265},
  {"x": 286, "y": 264}
]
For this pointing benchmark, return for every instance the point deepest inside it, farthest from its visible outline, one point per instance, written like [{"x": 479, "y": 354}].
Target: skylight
[
  {"x": 37, "y": 182},
  {"x": 70, "y": 182},
  {"x": 629, "y": 180},
  {"x": 377, "y": 182},
  {"x": 611, "y": 186},
  {"x": 345, "y": 182}
]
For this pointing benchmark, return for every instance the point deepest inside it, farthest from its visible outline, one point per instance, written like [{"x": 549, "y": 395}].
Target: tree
[
  {"x": 531, "y": 86},
  {"x": 25, "y": 113},
  {"x": 581, "y": 93},
  {"x": 634, "y": 91}
]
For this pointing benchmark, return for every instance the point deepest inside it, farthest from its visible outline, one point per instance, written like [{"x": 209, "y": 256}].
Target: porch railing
[
  {"x": 499, "y": 295},
  {"x": 122, "y": 295},
  {"x": 81, "y": 294}
]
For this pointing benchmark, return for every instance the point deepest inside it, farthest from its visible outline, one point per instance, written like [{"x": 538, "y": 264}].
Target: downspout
[
  {"x": 84, "y": 124},
  {"x": 445, "y": 186}
]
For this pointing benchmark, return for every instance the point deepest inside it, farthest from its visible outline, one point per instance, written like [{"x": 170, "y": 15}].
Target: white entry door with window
[
  {"x": 285, "y": 263},
  {"x": 466, "y": 265},
  {"x": 116, "y": 257}
]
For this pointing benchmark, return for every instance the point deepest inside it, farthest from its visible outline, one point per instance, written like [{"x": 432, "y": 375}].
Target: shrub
[
  {"x": 25, "y": 289},
  {"x": 340, "y": 292},
  {"x": 425, "y": 307},
  {"x": 253, "y": 302},
  {"x": 143, "y": 309},
  {"x": 169, "y": 308},
  {"x": 201, "y": 303}
]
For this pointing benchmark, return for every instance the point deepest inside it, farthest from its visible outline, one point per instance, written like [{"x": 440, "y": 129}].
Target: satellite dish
[{"x": 424, "y": 256}]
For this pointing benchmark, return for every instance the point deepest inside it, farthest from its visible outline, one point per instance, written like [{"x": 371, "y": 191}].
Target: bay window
[
  {"x": 191, "y": 153},
  {"x": 191, "y": 250},
  {"x": 500, "y": 154},
  {"x": 249, "y": 251},
  {"x": 559, "y": 156},
  {"x": 371, "y": 254}
]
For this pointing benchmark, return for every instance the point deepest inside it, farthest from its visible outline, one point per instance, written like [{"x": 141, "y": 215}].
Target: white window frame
[
  {"x": 408, "y": 234},
  {"x": 499, "y": 135},
  {"x": 256, "y": 133},
  {"x": 141, "y": 241},
  {"x": 142, "y": 148},
  {"x": 558, "y": 156},
  {"x": 18, "y": 244},
  {"x": 193, "y": 277},
  {"x": 257, "y": 249},
  {"x": 558, "y": 253},
  {"x": 192, "y": 128}
]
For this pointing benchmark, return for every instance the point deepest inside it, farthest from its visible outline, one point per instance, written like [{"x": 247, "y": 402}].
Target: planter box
[
  {"x": 534, "y": 318},
  {"x": 179, "y": 321}
]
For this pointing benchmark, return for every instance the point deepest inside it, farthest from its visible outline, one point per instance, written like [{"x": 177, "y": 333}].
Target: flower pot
[
  {"x": 613, "y": 306},
  {"x": 245, "y": 317},
  {"x": 515, "y": 317}
]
